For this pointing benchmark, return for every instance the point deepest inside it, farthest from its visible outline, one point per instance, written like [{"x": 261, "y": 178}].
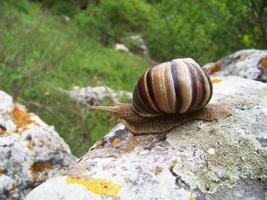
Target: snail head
[{"x": 119, "y": 110}]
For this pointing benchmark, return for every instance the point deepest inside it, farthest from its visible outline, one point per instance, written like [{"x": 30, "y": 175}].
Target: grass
[{"x": 40, "y": 53}]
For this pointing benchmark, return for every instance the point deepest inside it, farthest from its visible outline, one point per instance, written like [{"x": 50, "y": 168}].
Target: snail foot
[
  {"x": 212, "y": 112},
  {"x": 165, "y": 123}
]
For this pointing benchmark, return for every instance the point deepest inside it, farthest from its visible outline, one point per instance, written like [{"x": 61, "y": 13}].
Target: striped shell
[{"x": 179, "y": 86}]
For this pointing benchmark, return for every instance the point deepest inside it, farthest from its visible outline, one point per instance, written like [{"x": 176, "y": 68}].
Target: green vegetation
[
  {"x": 41, "y": 51},
  {"x": 205, "y": 30},
  {"x": 113, "y": 19}
]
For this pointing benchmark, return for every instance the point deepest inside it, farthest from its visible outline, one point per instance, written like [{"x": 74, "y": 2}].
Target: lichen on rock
[
  {"x": 247, "y": 63},
  {"x": 30, "y": 150},
  {"x": 103, "y": 187}
]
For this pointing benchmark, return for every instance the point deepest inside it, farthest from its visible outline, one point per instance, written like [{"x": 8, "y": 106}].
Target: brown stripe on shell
[
  {"x": 150, "y": 88},
  {"x": 177, "y": 89},
  {"x": 199, "y": 89},
  {"x": 210, "y": 87},
  {"x": 163, "y": 101},
  {"x": 202, "y": 88},
  {"x": 206, "y": 83},
  {"x": 198, "y": 84},
  {"x": 185, "y": 81},
  {"x": 159, "y": 87},
  {"x": 141, "y": 100},
  {"x": 206, "y": 87},
  {"x": 138, "y": 103},
  {"x": 203, "y": 91},
  {"x": 170, "y": 92},
  {"x": 142, "y": 89},
  {"x": 209, "y": 90},
  {"x": 148, "y": 100},
  {"x": 194, "y": 91}
]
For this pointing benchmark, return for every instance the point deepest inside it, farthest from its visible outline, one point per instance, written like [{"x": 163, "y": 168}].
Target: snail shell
[{"x": 179, "y": 86}]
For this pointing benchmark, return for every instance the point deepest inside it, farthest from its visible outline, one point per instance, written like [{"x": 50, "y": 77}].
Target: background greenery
[{"x": 42, "y": 51}]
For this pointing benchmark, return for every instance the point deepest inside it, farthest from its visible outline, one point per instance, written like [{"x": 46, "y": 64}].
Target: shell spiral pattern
[{"x": 179, "y": 86}]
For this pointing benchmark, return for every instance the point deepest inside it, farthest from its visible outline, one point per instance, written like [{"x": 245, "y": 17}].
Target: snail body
[{"x": 166, "y": 96}]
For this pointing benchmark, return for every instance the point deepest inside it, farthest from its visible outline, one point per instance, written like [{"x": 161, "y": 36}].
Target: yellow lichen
[
  {"x": 103, "y": 187},
  {"x": 116, "y": 141},
  {"x": 40, "y": 170},
  {"x": 215, "y": 68},
  {"x": 216, "y": 80},
  {"x": 192, "y": 197},
  {"x": 21, "y": 117},
  {"x": 40, "y": 166},
  {"x": 263, "y": 64}
]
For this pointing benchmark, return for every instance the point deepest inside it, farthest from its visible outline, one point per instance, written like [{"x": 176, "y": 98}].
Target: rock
[
  {"x": 224, "y": 159},
  {"x": 136, "y": 44},
  {"x": 249, "y": 63},
  {"x": 30, "y": 150},
  {"x": 133, "y": 44},
  {"x": 121, "y": 47},
  {"x": 67, "y": 18},
  {"x": 95, "y": 95}
]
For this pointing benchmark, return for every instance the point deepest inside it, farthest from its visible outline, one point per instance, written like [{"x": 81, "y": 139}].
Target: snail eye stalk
[
  {"x": 110, "y": 95},
  {"x": 114, "y": 108}
]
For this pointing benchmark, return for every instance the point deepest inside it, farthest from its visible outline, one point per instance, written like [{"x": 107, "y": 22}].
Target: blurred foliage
[
  {"x": 64, "y": 7},
  {"x": 46, "y": 45},
  {"x": 113, "y": 19},
  {"x": 205, "y": 30}
]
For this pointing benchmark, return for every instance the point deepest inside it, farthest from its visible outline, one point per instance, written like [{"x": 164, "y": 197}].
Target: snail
[{"x": 166, "y": 96}]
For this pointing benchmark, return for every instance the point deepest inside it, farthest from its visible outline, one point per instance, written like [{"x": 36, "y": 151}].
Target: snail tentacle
[
  {"x": 112, "y": 109},
  {"x": 115, "y": 108},
  {"x": 113, "y": 99}
]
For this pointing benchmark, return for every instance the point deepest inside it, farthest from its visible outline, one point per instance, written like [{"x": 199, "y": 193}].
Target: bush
[
  {"x": 60, "y": 7},
  {"x": 206, "y": 30},
  {"x": 113, "y": 19}
]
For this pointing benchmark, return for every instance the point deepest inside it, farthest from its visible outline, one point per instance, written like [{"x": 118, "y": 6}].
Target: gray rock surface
[
  {"x": 249, "y": 63},
  {"x": 137, "y": 45},
  {"x": 95, "y": 95},
  {"x": 30, "y": 150},
  {"x": 121, "y": 47},
  {"x": 218, "y": 160}
]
